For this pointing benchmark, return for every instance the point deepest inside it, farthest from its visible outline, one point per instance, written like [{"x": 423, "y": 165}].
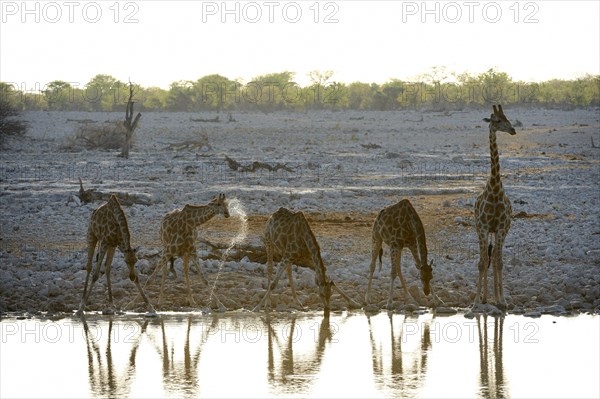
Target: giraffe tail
[
  {"x": 490, "y": 248},
  {"x": 380, "y": 255}
]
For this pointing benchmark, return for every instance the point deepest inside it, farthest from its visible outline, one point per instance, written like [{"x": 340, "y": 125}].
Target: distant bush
[
  {"x": 98, "y": 136},
  {"x": 10, "y": 122},
  {"x": 437, "y": 89}
]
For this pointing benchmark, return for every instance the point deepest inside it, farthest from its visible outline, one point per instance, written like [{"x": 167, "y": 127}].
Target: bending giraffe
[
  {"x": 178, "y": 236},
  {"x": 493, "y": 214},
  {"x": 288, "y": 234},
  {"x": 108, "y": 225},
  {"x": 398, "y": 226}
]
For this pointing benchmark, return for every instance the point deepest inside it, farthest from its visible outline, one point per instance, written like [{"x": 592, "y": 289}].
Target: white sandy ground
[{"x": 346, "y": 167}]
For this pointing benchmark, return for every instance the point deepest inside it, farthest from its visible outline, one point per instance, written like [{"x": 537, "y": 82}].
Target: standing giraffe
[
  {"x": 108, "y": 225},
  {"x": 398, "y": 226},
  {"x": 178, "y": 236},
  {"x": 493, "y": 214},
  {"x": 288, "y": 234}
]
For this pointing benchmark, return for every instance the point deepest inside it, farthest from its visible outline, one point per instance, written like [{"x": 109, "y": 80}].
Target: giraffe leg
[
  {"x": 109, "y": 257},
  {"x": 407, "y": 295},
  {"x": 96, "y": 273},
  {"x": 172, "y": 268},
  {"x": 417, "y": 258},
  {"x": 285, "y": 263},
  {"x": 91, "y": 248},
  {"x": 197, "y": 269},
  {"x": 498, "y": 266},
  {"x": 163, "y": 267},
  {"x": 482, "y": 267},
  {"x": 374, "y": 253},
  {"x": 134, "y": 278},
  {"x": 292, "y": 286},
  {"x": 395, "y": 253},
  {"x": 186, "y": 273},
  {"x": 194, "y": 261},
  {"x": 270, "y": 251}
]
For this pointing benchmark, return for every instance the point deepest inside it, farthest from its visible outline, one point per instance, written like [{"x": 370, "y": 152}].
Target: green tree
[
  {"x": 359, "y": 96},
  {"x": 154, "y": 98},
  {"x": 105, "y": 93},
  {"x": 317, "y": 95},
  {"x": 10, "y": 113},
  {"x": 274, "y": 91},
  {"x": 59, "y": 95},
  {"x": 181, "y": 96},
  {"x": 215, "y": 92}
]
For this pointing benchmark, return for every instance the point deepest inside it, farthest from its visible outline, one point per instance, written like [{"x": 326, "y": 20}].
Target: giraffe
[
  {"x": 493, "y": 214},
  {"x": 108, "y": 227},
  {"x": 288, "y": 234},
  {"x": 178, "y": 234},
  {"x": 399, "y": 225}
]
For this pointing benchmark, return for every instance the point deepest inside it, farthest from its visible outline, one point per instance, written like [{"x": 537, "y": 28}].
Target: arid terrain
[{"x": 340, "y": 169}]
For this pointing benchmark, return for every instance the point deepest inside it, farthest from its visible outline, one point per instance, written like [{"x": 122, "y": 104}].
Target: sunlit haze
[{"x": 154, "y": 43}]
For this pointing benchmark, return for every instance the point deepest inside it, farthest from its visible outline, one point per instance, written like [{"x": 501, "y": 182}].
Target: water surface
[{"x": 285, "y": 355}]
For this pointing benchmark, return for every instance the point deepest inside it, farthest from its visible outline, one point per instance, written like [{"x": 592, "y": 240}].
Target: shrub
[
  {"x": 10, "y": 122},
  {"x": 98, "y": 136}
]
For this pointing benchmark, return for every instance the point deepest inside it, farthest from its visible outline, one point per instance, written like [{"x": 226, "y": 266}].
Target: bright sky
[{"x": 154, "y": 43}]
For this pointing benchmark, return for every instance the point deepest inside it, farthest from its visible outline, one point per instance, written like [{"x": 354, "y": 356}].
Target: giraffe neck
[
  {"x": 197, "y": 215},
  {"x": 421, "y": 242},
  {"x": 121, "y": 220},
  {"x": 494, "y": 180},
  {"x": 315, "y": 254}
]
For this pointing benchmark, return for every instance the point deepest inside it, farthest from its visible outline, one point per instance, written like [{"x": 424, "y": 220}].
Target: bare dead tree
[{"x": 130, "y": 123}]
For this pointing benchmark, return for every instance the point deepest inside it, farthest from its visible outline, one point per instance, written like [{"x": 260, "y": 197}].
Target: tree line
[{"x": 436, "y": 89}]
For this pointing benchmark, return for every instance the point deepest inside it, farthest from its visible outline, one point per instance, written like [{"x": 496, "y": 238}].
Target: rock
[
  {"x": 518, "y": 310},
  {"x": 533, "y": 314},
  {"x": 143, "y": 266},
  {"x": 371, "y": 308},
  {"x": 461, "y": 221},
  {"x": 249, "y": 266},
  {"x": 553, "y": 309},
  {"x": 443, "y": 310},
  {"x": 487, "y": 308},
  {"x": 28, "y": 248},
  {"x": 409, "y": 307},
  {"x": 281, "y": 307},
  {"x": 576, "y": 304}
]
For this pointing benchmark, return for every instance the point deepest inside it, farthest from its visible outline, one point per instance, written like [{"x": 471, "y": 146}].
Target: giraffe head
[
  {"x": 426, "y": 273},
  {"x": 325, "y": 292},
  {"x": 499, "y": 122},
  {"x": 221, "y": 203},
  {"x": 130, "y": 260}
]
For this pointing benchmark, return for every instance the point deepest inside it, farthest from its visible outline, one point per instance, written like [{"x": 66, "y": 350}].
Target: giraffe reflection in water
[
  {"x": 296, "y": 371},
  {"x": 491, "y": 376},
  {"x": 181, "y": 376},
  {"x": 406, "y": 369},
  {"x": 106, "y": 379}
]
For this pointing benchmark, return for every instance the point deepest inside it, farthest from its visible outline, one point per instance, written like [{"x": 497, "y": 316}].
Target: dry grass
[{"x": 98, "y": 136}]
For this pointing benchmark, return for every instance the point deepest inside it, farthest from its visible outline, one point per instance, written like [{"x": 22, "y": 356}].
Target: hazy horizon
[{"x": 154, "y": 44}]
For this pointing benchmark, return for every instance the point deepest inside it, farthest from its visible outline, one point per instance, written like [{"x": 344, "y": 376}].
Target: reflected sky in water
[{"x": 304, "y": 355}]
